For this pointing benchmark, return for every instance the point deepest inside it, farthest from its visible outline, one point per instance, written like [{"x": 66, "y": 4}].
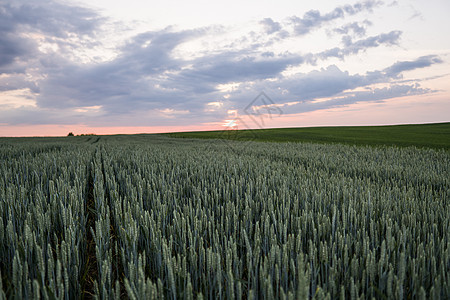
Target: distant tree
[{"x": 70, "y": 134}]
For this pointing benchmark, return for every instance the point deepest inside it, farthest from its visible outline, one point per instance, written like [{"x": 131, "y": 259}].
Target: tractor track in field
[
  {"x": 90, "y": 272},
  {"x": 117, "y": 267}
]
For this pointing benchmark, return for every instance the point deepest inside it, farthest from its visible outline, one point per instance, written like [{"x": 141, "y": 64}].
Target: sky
[{"x": 109, "y": 67}]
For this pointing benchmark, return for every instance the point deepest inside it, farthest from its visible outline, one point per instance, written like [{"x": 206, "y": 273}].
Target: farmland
[
  {"x": 435, "y": 135},
  {"x": 152, "y": 216}
]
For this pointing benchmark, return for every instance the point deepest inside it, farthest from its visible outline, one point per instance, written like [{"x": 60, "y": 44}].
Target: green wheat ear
[{"x": 283, "y": 221}]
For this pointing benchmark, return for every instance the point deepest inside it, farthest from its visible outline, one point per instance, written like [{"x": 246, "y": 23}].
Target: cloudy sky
[{"x": 134, "y": 66}]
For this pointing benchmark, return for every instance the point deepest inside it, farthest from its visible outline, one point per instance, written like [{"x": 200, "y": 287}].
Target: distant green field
[{"x": 435, "y": 136}]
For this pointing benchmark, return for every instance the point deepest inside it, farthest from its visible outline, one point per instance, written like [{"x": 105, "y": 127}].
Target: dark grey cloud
[
  {"x": 298, "y": 94},
  {"x": 356, "y": 28},
  {"x": 330, "y": 84},
  {"x": 270, "y": 26},
  {"x": 370, "y": 95},
  {"x": 11, "y": 83},
  {"x": 236, "y": 66},
  {"x": 337, "y": 81},
  {"x": 12, "y": 46},
  {"x": 313, "y": 19},
  {"x": 50, "y": 18},
  {"x": 322, "y": 83},
  {"x": 421, "y": 62},
  {"x": 145, "y": 77},
  {"x": 303, "y": 88},
  {"x": 388, "y": 39},
  {"x": 228, "y": 68},
  {"x": 423, "y": 79},
  {"x": 136, "y": 79}
]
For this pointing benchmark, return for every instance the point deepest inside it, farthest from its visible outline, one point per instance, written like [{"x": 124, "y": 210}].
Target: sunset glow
[{"x": 132, "y": 67}]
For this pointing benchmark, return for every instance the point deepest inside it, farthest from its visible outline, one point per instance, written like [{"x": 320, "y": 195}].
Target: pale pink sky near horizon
[
  {"x": 122, "y": 68},
  {"x": 404, "y": 111}
]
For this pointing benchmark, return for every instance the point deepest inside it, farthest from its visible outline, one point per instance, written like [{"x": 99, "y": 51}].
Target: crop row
[{"x": 158, "y": 218}]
